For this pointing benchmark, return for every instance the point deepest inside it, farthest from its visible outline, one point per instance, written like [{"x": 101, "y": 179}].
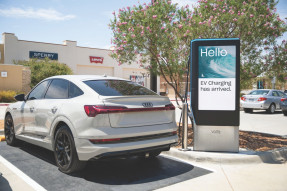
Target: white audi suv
[{"x": 82, "y": 118}]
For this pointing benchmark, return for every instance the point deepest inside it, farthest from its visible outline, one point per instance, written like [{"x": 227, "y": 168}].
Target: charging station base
[{"x": 216, "y": 138}]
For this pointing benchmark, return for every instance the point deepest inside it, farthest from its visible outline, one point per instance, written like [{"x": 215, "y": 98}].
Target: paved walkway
[
  {"x": 237, "y": 177},
  {"x": 246, "y": 170}
]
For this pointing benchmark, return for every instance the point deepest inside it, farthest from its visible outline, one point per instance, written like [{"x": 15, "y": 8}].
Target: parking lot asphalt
[
  {"x": 261, "y": 121},
  {"x": 175, "y": 170}
]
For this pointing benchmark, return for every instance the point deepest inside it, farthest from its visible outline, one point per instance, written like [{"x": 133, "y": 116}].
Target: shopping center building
[{"x": 82, "y": 60}]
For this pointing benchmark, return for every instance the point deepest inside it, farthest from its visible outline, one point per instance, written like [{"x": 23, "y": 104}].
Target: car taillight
[
  {"x": 262, "y": 99},
  {"x": 283, "y": 99},
  {"x": 243, "y": 98},
  {"x": 95, "y": 141},
  {"x": 93, "y": 110},
  {"x": 169, "y": 107}
]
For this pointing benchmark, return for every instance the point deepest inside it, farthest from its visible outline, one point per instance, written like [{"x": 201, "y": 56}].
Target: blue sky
[{"x": 84, "y": 21}]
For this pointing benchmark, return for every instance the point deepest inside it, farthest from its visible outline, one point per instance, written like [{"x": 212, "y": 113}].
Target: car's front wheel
[
  {"x": 65, "y": 151},
  {"x": 9, "y": 131},
  {"x": 271, "y": 108},
  {"x": 284, "y": 113}
]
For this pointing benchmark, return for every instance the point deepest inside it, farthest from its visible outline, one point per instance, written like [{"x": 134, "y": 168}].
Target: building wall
[
  {"x": 1, "y": 53},
  {"x": 18, "y": 78},
  {"x": 77, "y": 58}
]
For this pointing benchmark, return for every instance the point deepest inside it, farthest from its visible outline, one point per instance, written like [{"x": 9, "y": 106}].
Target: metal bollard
[{"x": 184, "y": 125}]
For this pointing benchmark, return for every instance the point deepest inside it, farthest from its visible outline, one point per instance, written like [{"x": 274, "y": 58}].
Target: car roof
[{"x": 85, "y": 77}]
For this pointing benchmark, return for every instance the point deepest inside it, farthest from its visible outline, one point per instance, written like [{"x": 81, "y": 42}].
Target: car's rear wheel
[
  {"x": 284, "y": 113},
  {"x": 271, "y": 108},
  {"x": 248, "y": 110},
  {"x": 9, "y": 131},
  {"x": 65, "y": 151}
]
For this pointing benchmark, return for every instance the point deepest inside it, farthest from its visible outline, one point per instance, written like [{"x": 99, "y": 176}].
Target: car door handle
[
  {"x": 32, "y": 109},
  {"x": 54, "y": 110}
]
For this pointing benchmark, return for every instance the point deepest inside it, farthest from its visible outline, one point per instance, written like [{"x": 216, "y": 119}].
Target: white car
[{"x": 82, "y": 118}]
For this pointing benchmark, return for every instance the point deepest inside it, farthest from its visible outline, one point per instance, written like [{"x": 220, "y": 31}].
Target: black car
[{"x": 283, "y": 105}]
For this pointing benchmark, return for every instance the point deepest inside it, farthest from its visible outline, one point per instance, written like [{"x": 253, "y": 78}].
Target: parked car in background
[
  {"x": 262, "y": 99},
  {"x": 283, "y": 104},
  {"x": 81, "y": 118}
]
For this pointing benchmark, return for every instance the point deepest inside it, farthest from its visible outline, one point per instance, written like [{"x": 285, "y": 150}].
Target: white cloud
[
  {"x": 46, "y": 14},
  {"x": 183, "y": 3}
]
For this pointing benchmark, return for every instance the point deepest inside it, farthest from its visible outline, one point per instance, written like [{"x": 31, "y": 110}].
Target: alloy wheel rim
[
  {"x": 9, "y": 130},
  {"x": 272, "y": 108},
  {"x": 63, "y": 150}
]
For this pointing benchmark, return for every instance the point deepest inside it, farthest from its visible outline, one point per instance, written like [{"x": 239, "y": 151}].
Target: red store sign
[{"x": 97, "y": 60}]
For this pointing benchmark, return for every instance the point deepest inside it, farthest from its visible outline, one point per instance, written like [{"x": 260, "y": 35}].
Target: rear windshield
[
  {"x": 259, "y": 92},
  {"x": 118, "y": 88}
]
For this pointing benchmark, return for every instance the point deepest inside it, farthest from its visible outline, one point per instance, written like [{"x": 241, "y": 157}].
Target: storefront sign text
[
  {"x": 42, "y": 55},
  {"x": 97, "y": 60}
]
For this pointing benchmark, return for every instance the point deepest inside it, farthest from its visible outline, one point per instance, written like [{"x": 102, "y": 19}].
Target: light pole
[{"x": 153, "y": 77}]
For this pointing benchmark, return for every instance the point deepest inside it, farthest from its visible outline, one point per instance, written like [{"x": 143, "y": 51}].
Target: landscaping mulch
[{"x": 249, "y": 140}]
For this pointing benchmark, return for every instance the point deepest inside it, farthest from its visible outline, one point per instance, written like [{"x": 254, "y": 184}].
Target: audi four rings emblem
[{"x": 147, "y": 104}]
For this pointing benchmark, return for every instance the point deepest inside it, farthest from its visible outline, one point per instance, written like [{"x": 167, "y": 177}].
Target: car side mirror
[{"x": 20, "y": 97}]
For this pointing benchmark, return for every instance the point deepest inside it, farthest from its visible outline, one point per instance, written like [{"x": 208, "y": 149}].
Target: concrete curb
[{"x": 243, "y": 157}]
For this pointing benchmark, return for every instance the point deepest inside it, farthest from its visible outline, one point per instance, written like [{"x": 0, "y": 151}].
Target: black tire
[
  {"x": 65, "y": 152},
  {"x": 284, "y": 113},
  {"x": 271, "y": 108},
  {"x": 248, "y": 110},
  {"x": 9, "y": 131}
]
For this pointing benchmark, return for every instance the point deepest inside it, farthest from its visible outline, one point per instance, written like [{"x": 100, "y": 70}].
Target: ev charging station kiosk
[{"x": 215, "y": 89}]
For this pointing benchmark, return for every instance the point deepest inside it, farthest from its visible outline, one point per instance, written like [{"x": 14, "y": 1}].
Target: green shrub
[
  {"x": 41, "y": 69},
  {"x": 7, "y": 96}
]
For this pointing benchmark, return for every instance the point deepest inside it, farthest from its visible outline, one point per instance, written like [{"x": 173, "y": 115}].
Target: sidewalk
[{"x": 246, "y": 170}]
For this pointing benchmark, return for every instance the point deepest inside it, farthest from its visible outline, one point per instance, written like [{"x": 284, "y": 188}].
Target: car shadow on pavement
[
  {"x": 114, "y": 174},
  {"x": 265, "y": 112},
  {"x": 133, "y": 170}
]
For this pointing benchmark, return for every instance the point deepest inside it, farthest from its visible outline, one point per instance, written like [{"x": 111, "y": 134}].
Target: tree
[
  {"x": 162, "y": 32},
  {"x": 148, "y": 32},
  {"x": 41, "y": 69},
  {"x": 254, "y": 22}
]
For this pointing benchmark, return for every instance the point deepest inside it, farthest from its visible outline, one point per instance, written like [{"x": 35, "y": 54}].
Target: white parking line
[
  {"x": 22, "y": 175},
  {"x": 187, "y": 162}
]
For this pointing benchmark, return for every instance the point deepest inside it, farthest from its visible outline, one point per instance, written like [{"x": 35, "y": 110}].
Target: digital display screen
[{"x": 216, "y": 77}]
